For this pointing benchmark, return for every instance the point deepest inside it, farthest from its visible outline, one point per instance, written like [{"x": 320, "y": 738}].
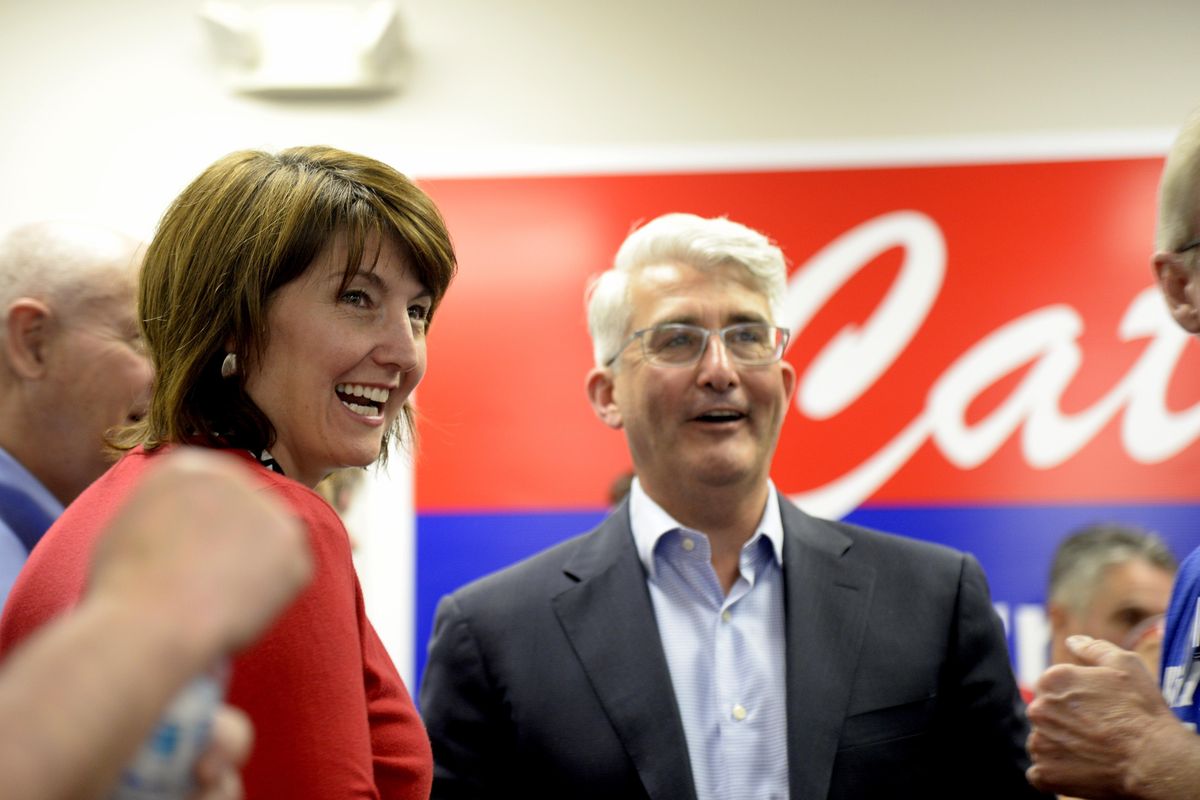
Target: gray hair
[
  {"x": 1179, "y": 189},
  {"x": 62, "y": 263},
  {"x": 1083, "y": 557},
  {"x": 705, "y": 244}
]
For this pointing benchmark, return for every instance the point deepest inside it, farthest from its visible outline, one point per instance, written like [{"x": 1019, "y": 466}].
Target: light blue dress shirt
[
  {"x": 12, "y": 551},
  {"x": 725, "y": 652}
]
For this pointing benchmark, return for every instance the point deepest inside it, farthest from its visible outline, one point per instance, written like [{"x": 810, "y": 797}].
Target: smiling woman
[
  {"x": 339, "y": 362},
  {"x": 285, "y": 301}
]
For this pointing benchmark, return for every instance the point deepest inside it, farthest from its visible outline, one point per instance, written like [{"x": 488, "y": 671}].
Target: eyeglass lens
[{"x": 748, "y": 343}]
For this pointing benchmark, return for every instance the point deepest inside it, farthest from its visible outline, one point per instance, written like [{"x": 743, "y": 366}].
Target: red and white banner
[{"x": 961, "y": 333}]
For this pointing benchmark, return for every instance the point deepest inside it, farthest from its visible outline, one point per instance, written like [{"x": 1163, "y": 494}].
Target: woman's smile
[{"x": 365, "y": 401}]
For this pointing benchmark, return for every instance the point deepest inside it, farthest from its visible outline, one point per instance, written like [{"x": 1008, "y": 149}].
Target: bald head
[
  {"x": 63, "y": 263},
  {"x": 71, "y": 362},
  {"x": 1179, "y": 189}
]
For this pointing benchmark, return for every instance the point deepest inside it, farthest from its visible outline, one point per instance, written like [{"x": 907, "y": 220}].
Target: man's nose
[
  {"x": 141, "y": 385},
  {"x": 716, "y": 367}
]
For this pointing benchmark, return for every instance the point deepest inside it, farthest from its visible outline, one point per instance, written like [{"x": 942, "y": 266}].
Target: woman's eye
[
  {"x": 356, "y": 297},
  {"x": 418, "y": 313}
]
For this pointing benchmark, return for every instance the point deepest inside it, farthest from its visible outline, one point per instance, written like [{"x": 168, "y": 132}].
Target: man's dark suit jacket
[{"x": 548, "y": 679}]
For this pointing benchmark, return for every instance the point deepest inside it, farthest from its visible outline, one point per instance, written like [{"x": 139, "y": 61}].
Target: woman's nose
[{"x": 400, "y": 345}]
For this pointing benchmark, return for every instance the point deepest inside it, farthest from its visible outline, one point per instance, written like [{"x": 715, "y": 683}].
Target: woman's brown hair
[{"x": 249, "y": 224}]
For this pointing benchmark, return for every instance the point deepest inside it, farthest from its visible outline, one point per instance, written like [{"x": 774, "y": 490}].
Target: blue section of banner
[
  {"x": 455, "y": 549},
  {"x": 1014, "y": 543}
]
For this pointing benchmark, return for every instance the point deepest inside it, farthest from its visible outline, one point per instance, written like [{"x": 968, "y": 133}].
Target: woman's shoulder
[
  {"x": 326, "y": 532},
  {"x": 307, "y": 504}
]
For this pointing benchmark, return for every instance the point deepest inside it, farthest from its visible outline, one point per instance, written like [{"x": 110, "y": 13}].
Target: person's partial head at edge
[
  {"x": 284, "y": 300},
  {"x": 698, "y": 409},
  {"x": 1177, "y": 234},
  {"x": 73, "y": 364},
  {"x": 1111, "y": 582}
]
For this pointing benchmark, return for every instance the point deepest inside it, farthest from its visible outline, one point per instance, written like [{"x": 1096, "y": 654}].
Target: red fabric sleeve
[
  {"x": 331, "y": 715},
  {"x": 402, "y": 751}
]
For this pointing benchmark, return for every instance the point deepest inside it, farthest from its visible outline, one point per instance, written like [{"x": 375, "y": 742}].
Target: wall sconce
[{"x": 294, "y": 49}]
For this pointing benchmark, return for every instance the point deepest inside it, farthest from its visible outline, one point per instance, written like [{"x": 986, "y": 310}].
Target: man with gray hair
[
  {"x": 1101, "y": 727},
  {"x": 71, "y": 368},
  {"x": 709, "y": 639},
  {"x": 1111, "y": 582}
]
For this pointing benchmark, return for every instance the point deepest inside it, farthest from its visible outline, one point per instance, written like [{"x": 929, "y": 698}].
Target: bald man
[
  {"x": 71, "y": 368},
  {"x": 1101, "y": 726}
]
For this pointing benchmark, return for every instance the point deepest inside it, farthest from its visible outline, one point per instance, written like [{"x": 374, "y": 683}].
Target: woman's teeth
[{"x": 374, "y": 396}]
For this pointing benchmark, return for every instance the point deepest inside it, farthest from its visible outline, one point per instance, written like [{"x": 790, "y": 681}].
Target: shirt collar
[
  {"x": 14, "y": 473},
  {"x": 649, "y": 522}
]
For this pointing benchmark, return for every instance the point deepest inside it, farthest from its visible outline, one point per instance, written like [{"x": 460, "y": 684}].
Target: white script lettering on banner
[{"x": 852, "y": 361}]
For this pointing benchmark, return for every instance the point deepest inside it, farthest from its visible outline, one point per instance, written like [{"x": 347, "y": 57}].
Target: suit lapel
[
  {"x": 609, "y": 620},
  {"x": 827, "y": 597}
]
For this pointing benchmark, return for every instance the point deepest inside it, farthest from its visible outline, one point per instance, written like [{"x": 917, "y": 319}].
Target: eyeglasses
[{"x": 751, "y": 344}]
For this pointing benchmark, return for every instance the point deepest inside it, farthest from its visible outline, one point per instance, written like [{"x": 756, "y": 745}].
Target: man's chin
[{"x": 720, "y": 470}]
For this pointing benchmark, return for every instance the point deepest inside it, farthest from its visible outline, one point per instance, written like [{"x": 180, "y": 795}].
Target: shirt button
[
  {"x": 688, "y": 544},
  {"x": 726, "y": 615},
  {"x": 739, "y": 712}
]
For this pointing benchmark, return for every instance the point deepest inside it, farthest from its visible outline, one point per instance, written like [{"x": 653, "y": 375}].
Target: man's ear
[
  {"x": 27, "y": 329},
  {"x": 1179, "y": 286},
  {"x": 600, "y": 394},
  {"x": 1058, "y": 617},
  {"x": 789, "y": 380}
]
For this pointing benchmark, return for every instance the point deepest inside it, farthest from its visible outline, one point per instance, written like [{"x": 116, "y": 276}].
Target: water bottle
[{"x": 164, "y": 767}]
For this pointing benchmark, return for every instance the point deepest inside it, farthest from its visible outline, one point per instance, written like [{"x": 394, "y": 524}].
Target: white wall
[{"x": 110, "y": 107}]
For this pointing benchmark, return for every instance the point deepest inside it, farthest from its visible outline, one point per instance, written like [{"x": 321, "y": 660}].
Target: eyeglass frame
[{"x": 783, "y": 333}]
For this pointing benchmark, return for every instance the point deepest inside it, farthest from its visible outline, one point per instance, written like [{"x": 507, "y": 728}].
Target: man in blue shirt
[
  {"x": 1103, "y": 729},
  {"x": 710, "y": 640},
  {"x": 71, "y": 368}
]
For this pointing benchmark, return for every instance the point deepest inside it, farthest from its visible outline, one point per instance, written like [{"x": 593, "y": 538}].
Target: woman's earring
[{"x": 229, "y": 365}]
